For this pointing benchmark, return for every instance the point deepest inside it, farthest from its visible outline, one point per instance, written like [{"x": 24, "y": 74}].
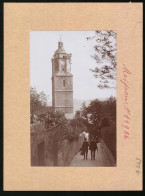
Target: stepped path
[{"x": 100, "y": 159}]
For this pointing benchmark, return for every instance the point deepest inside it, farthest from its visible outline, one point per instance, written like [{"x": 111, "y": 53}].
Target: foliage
[
  {"x": 54, "y": 118},
  {"x": 84, "y": 112},
  {"x": 78, "y": 123},
  {"x": 40, "y": 112},
  {"x": 38, "y": 103},
  {"x": 105, "y": 57},
  {"x": 100, "y": 116},
  {"x": 68, "y": 133},
  {"x": 94, "y": 109},
  {"x": 62, "y": 132},
  {"x": 98, "y": 113}
]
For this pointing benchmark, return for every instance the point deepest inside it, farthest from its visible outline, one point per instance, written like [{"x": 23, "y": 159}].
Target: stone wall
[
  {"x": 107, "y": 155},
  {"x": 38, "y": 138},
  {"x": 67, "y": 151},
  {"x": 109, "y": 137},
  {"x": 49, "y": 150}
]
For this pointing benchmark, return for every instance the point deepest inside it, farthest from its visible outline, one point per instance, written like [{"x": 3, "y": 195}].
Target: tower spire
[
  {"x": 60, "y": 43},
  {"x": 60, "y": 37}
]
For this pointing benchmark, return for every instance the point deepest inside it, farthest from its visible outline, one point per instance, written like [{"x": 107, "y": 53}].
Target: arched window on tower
[{"x": 64, "y": 83}]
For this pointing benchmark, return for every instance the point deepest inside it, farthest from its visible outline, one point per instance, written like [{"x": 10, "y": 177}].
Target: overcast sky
[{"x": 42, "y": 47}]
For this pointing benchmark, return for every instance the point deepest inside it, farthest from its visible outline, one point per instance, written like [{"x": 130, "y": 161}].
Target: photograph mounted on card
[{"x": 73, "y": 96}]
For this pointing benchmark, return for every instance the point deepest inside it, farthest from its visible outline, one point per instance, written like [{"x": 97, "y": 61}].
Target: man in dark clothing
[
  {"x": 93, "y": 147},
  {"x": 85, "y": 148}
]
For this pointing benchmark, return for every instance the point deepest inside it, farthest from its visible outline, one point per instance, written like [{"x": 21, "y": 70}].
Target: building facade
[{"x": 62, "y": 81}]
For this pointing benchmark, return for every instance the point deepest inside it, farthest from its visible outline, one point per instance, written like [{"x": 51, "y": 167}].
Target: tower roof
[{"x": 60, "y": 48}]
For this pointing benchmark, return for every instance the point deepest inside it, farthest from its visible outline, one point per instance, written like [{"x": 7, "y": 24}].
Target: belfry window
[{"x": 64, "y": 83}]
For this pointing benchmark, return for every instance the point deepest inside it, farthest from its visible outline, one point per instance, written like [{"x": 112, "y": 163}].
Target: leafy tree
[
  {"x": 94, "y": 109},
  {"x": 54, "y": 118},
  {"x": 78, "y": 123},
  {"x": 84, "y": 112},
  {"x": 59, "y": 117},
  {"x": 105, "y": 57},
  {"x": 38, "y": 103},
  {"x": 99, "y": 114},
  {"x": 77, "y": 115}
]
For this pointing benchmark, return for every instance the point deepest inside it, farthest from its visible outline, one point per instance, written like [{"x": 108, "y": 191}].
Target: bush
[{"x": 78, "y": 126}]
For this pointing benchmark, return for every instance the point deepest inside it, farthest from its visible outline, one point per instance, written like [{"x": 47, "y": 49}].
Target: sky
[{"x": 43, "y": 44}]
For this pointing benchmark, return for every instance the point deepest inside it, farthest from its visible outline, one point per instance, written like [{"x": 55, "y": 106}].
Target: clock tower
[{"x": 62, "y": 81}]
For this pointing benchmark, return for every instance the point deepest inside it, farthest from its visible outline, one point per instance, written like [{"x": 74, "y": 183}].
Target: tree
[
  {"x": 105, "y": 57},
  {"x": 77, "y": 115},
  {"x": 94, "y": 109},
  {"x": 38, "y": 103},
  {"x": 84, "y": 112},
  {"x": 99, "y": 114},
  {"x": 54, "y": 118},
  {"x": 59, "y": 117}
]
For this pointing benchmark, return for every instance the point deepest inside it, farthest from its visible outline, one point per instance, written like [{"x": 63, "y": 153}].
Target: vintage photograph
[{"x": 73, "y": 98}]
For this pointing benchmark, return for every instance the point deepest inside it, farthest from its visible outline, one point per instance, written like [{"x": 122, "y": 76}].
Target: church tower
[{"x": 62, "y": 80}]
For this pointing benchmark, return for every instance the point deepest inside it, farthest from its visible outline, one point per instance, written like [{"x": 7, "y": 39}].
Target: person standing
[
  {"x": 85, "y": 148},
  {"x": 93, "y": 147},
  {"x": 85, "y": 134}
]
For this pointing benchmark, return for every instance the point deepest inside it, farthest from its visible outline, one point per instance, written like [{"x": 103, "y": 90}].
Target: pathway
[{"x": 100, "y": 160}]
